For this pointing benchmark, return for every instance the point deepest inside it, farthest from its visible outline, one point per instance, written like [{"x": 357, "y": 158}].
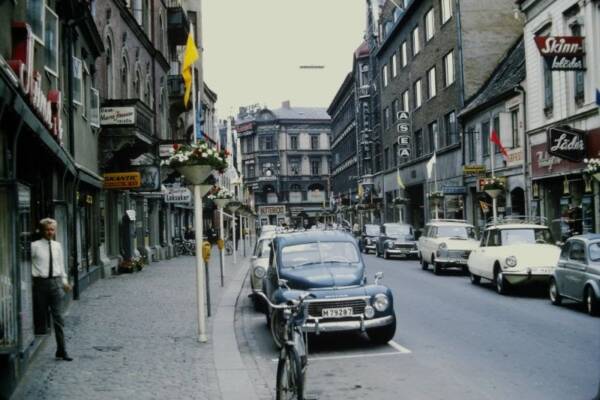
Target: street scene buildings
[{"x": 461, "y": 136}]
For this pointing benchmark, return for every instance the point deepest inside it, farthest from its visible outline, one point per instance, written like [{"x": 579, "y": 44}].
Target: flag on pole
[
  {"x": 399, "y": 179},
  {"x": 496, "y": 140},
  {"x": 360, "y": 191},
  {"x": 431, "y": 165},
  {"x": 189, "y": 58}
]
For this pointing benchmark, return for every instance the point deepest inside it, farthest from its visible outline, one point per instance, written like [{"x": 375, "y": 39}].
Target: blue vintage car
[{"x": 328, "y": 264}]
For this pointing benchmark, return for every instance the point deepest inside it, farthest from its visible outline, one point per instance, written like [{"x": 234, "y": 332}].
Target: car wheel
[
  {"x": 591, "y": 303},
  {"x": 386, "y": 255},
  {"x": 500, "y": 280},
  {"x": 382, "y": 335},
  {"x": 437, "y": 267},
  {"x": 277, "y": 328},
  {"x": 475, "y": 279},
  {"x": 555, "y": 296},
  {"x": 424, "y": 265}
]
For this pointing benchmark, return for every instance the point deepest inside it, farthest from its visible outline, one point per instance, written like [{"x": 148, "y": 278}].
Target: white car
[
  {"x": 259, "y": 264},
  {"x": 446, "y": 243},
  {"x": 512, "y": 254}
]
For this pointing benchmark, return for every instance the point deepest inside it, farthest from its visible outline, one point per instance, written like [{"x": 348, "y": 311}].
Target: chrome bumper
[
  {"x": 457, "y": 261},
  {"x": 403, "y": 251},
  {"x": 315, "y": 326}
]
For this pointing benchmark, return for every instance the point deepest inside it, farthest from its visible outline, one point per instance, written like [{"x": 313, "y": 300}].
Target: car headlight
[
  {"x": 259, "y": 272},
  {"x": 511, "y": 261},
  {"x": 442, "y": 246},
  {"x": 381, "y": 302}
]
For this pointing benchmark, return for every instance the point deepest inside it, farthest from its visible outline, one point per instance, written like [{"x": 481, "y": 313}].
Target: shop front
[{"x": 272, "y": 214}]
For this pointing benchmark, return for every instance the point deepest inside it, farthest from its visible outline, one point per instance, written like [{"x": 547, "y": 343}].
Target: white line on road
[{"x": 399, "y": 350}]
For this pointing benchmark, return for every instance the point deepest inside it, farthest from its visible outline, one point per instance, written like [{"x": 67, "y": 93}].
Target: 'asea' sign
[
  {"x": 562, "y": 53},
  {"x": 567, "y": 143}
]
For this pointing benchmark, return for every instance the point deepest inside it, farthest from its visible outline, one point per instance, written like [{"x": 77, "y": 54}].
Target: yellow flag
[
  {"x": 189, "y": 58},
  {"x": 399, "y": 179},
  {"x": 360, "y": 191}
]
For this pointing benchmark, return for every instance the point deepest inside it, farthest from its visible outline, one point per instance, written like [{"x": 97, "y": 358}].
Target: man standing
[{"x": 49, "y": 279}]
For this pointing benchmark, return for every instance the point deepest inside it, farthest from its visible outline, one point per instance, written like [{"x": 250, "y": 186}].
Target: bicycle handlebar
[{"x": 296, "y": 303}]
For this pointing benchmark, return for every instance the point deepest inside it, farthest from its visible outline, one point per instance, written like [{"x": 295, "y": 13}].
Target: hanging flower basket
[
  {"x": 400, "y": 201},
  {"x": 592, "y": 167},
  {"x": 221, "y": 196},
  {"x": 493, "y": 184},
  {"x": 196, "y": 161},
  {"x": 234, "y": 205}
]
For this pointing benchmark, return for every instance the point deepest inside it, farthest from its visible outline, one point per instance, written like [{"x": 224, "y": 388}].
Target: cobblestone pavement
[{"x": 133, "y": 336}]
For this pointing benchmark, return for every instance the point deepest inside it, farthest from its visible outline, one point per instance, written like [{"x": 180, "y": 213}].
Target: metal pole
[
  {"x": 222, "y": 261},
  {"x": 244, "y": 224},
  {"x": 200, "y": 283},
  {"x": 233, "y": 234}
]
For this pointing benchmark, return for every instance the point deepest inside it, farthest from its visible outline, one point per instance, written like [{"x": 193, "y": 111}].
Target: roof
[
  {"x": 362, "y": 50},
  {"x": 516, "y": 226},
  {"x": 313, "y": 237},
  {"x": 301, "y": 113},
  {"x": 587, "y": 236},
  {"x": 509, "y": 73},
  {"x": 448, "y": 222}
]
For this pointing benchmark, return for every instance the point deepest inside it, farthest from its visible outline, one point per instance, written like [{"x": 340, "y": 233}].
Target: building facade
[{"x": 286, "y": 163}]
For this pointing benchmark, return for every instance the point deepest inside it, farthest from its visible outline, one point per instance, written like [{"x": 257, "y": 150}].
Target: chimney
[{"x": 286, "y": 104}]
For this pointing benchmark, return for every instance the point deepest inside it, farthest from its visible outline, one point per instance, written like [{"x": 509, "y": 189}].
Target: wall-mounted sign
[
  {"x": 454, "y": 190},
  {"x": 315, "y": 196},
  {"x": 474, "y": 169},
  {"x": 515, "y": 157},
  {"x": 403, "y": 116},
  {"x": 562, "y": 53},
  {"x": 122, "y": 180},
  {"x": 164, "y": 150},
  {"x": 150, "y": 177},
  {"x": 117, "y": 116},
  {"x": 271, "y": 210},
  {"x": 566, "y": 142},
  {"x": 178, "y": 195}
]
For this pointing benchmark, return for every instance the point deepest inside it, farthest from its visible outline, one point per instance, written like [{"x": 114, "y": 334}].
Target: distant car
[
  {"x": 446, "y": 243},
  {"x": 329, "y": 266},
  {"x": 267, "y": 228},
  {"x": 513, "y": 254},
  {"x": 368, "y": 238},
  {"x": 397, "y": 240},
  {"x": 259, "y": 263},
  {"x": 577, "y": 274}
]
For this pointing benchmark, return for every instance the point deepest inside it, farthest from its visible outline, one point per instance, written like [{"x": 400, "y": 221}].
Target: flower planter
[
  {"x": 195, "y": 174},
  {"x": 493, "y": 193},
  {"x": 221, "y": 203},
  {"x": 596, "y": 176},
  {"x": 234, "y": 205},
  {"x": 204, "y": 189}
]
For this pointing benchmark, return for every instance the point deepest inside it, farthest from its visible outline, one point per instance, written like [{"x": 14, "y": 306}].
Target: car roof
[
  {"x": 287, "y": 239},
  {"x": 449, "y": 223},
  {"x": 587, "y": 236},
  {"x": 395, "y": 224},
  {"x": 517, "y": 226}
]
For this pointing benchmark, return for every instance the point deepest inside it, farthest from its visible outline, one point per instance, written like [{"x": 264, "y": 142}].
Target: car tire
[
  {"x": 424, "y": 265},
  {"x": 277, "y": 327},
  {"x": 475, "y": 279},
  {"x": 437, "y": 267},
  {"x": 500, "y": 281},
  {"x": 555, "y": 297},
  {"x": 386, "y": 255},
  {"x": 592, "y": 305},
  {"x": 382, "y": 335}
]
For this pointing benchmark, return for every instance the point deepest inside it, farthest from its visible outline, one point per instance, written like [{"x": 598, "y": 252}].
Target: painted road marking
[{"x": 398, "y": 351}]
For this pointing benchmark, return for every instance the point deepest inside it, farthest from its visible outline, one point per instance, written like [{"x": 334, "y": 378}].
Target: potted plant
[
  {"x": 592, "y": 167},
  {"x": 196, "y": 161},
  {"x": 221, "y": 196},
  {"x": 493, "y": 186}
]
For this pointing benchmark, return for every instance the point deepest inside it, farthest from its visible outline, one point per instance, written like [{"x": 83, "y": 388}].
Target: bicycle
[{"x": 293, "y": 356}]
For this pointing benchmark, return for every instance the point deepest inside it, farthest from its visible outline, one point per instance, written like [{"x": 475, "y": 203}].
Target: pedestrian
[{"x": 49, "y": 280}]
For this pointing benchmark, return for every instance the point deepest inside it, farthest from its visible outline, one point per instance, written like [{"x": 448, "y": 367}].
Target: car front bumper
[
  {"x": 527, "y": 276},
  {"x": 317, "y": 326},
  {"x": 402, "y": 252},
  {"x": 370, "y": 247},
  {"x": 451, "y": 261}
]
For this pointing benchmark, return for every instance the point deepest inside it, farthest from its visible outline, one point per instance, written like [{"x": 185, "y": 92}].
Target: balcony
[
  {"x": 178, "y": 25},
  {"x": 363, "y": 92}
]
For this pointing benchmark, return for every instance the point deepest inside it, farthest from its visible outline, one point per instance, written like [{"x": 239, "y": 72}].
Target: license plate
[
  {"x": 543, "y": 270},
  {"x": 336, "y": 312}
]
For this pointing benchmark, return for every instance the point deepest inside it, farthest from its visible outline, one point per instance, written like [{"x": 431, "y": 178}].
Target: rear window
[
  {"x": 594, "y": 250},
  {"x": 318, "y": 253},
  {"x": 522, "y": 236},
  {"x": 372, "y": 230}
]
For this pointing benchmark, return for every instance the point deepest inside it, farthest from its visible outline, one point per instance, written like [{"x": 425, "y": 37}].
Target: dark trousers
[{"x": 47, "y": 294}]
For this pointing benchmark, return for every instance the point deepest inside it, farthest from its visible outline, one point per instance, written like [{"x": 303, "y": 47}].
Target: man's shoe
[{"x": 63, "y": 356}]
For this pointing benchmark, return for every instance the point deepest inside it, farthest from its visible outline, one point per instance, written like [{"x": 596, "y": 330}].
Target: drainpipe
[{"x": 519, "y": 89}]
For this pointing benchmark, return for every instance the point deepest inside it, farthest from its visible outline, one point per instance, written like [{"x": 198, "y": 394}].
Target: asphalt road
[{"x": 454, "y": 341}]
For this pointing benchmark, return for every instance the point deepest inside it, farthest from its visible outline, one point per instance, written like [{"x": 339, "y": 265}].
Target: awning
[{"x": 89, "y": 177}]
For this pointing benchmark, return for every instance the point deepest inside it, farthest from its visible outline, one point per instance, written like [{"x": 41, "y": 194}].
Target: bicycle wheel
[{"x": 290, "y": 376}]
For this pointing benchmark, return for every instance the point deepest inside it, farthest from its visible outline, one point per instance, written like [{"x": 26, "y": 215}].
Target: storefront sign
[
  {"x": 567, "y": 143},
  {"x": 117, "y": 116},
  {"x": 515, "y": 157},
  {"x": 150, "y": 177},
  {"x": 49, "y": 108},
  {"x": 271, "y": 210},
  {"x": 165, "y": 150},
  {"x": 562, "y": 53},
  {"x": 454, "y": 190},
  {"x": 178, "y": 195},
  {"x": 122, "y": 180},
  {"x": 315, "y": 196},
  {"x": 295, "y": 197},
  {"x": 474, "y": 169}
]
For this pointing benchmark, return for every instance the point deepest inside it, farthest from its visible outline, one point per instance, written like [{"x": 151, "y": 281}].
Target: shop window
[{"x": 51, "y": 42}]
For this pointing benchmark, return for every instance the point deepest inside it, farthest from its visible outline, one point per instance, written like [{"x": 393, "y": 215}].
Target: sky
[{"x": 253, "y": 50}]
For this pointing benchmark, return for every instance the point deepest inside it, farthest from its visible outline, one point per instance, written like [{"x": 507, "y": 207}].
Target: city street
[{"x": 453, "y": 341}]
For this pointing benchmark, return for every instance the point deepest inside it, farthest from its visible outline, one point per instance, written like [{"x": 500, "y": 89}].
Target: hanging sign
[
  {"x": 562, "y": 53},
  {"x": 122, "y": 180},
  {"x": 567, "y": 143},
  {"x": 474, "y": 169},
  {"x": 178, "y": 195}
]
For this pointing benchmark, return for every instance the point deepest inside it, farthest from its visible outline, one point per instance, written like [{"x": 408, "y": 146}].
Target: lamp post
[
  {"x": 221, "y": 203},
  {"x": 234, "y": 206}
]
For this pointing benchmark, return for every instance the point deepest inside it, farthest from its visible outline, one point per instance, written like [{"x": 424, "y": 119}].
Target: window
[
  {"x": 429, "y": 25},
  {"x": 405, "y": 101},
  {"x": 417, "y": 91},
  {"x": 446, "y": 6},
  {"x": 94, "y": 115},
  {"x": 485, "y": 138},
  {"x": 514, "y": 122},
  {"x": 403, "y": 54},
  {"x": 450, "y": 128},
  {"x": 249, "y": 145},
  {"x": 314, "y": 142},
  {"x": 137, "y": 85},
  {"x": 124, "y": 78},
  {"x": 433, "y": 134},
  {"x": 496, "y": 128},
  {"x": 579, "y": 75},
  {"x": 386, "y": 118},
  {"x": 577, "y": 251},
  {"x": 418, "y": 143},
  {"x": 294, "y": 166},
  {"x": 416, "y": 42},
  {"x": 266, "y": 142},
  {"x": 51, "y": 42},
  {"x": 471, "y": 133},
  {"x": 35, "y": 18},
  {"x": 431, "y": 88},
  {"x": 395, "y": 155},
  {"x": 386, "y": 158},
  {"x": 385, "y": 75},
  {"x": 364, "y": 75},
  {"x": 394, "y": 62},
  {"x": 294, "y": 142},
  {"x": 77, "y": 81},
  {"x": 315, "y": 167},
  {"x": 85, "y": 90},
  {"x": 449, "y": 69},
  {"x": 395, "y": 109},
  {"x": 109, "y": 69},
  {"x": 251, "y": 172}
]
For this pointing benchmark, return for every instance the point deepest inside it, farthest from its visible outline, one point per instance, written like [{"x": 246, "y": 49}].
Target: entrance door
[{"x": 24, "y": 235}]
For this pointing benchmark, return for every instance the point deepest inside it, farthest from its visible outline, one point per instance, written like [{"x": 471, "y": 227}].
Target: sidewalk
[{"x": 134, "y": 336}]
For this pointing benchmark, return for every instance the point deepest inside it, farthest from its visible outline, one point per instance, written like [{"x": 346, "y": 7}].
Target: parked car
[
  {"x": 368, "y": 238},
  {"x": 446, "y": 243},
  {"x": 397, "y": 240},
  {"x": 513, "y": 254},
  {"x": 259, "y": 263},
  {"x": 577, "y": 274},
  {"x": 329, "y": 265}
]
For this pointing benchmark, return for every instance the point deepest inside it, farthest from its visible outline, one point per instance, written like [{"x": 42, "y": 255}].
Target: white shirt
[{"x": 40, "y": 260}]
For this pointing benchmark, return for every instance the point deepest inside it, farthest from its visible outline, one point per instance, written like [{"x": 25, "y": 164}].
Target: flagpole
[
  {"x": 493, "y": 163},
  {"x": 435, "y": 186}
]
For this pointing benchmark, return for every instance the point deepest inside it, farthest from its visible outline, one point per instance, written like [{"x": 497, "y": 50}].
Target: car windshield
[
  {"x": 398, "y": 230},
  {"x": 318, "y": 253},
  {"x": 263, "y": 248},
  {"x": 372, "y": 230},
  {"x": 526, "y": 235},
  {"x": 456, "y": 232},
  {"x": 594, "y": 251}
]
